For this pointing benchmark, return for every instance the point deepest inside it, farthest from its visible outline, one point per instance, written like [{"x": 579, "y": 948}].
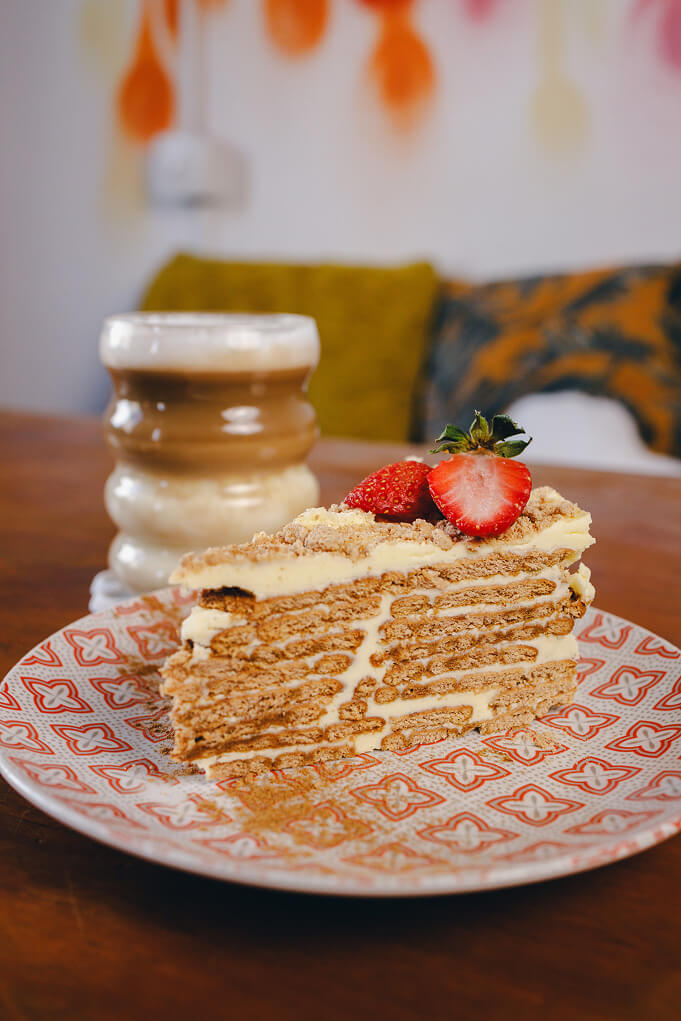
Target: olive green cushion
[{"x": 373, "y": 325}]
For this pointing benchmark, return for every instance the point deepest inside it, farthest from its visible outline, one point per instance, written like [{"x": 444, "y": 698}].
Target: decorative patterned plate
[{"x": 84, "y": 735}]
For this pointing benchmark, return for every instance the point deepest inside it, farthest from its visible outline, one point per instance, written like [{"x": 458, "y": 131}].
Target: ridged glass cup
[{"x": 209, "y": 425}]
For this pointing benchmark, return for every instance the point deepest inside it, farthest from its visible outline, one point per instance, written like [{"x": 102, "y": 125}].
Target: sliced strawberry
[
  {"x": 398, "y": 491},
  {"x": 482, "y": 494}
]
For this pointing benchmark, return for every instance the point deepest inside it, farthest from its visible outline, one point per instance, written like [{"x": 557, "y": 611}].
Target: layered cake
[{"x": 352, "y": 629}]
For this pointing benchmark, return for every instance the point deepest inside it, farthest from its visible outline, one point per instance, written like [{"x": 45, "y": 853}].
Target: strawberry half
[
  {"x": 479, "y": 488},
  {"x": 398, "y": 491}
]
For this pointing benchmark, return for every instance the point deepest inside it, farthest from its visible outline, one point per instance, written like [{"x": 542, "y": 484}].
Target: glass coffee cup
[{"x": 210, "y": 426}]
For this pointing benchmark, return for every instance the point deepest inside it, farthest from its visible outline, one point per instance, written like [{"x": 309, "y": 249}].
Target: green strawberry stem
[{"x": 483, "y": 438}]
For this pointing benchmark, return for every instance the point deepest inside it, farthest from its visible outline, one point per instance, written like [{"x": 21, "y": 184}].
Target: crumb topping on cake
[{"x": 353, "y": 534}]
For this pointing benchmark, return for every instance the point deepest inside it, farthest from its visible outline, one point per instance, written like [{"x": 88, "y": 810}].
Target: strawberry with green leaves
[{"x": 480, "y": 488}]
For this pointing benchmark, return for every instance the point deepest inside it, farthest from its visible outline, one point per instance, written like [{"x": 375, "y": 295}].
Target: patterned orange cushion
[{"x": 613, "y": 332}]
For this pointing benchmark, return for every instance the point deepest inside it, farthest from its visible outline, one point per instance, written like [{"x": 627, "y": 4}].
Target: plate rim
[{"x": 499, "y": 875}]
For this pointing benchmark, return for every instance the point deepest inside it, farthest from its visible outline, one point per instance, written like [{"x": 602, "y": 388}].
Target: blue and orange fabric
[{"x": 611, "y": 332}]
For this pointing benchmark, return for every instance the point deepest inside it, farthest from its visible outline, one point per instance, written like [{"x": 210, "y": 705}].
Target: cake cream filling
[
  {"x": 361, "y": 665},
  {"x": 580, "y": 584},
  {"x": 560, "y": 591},
  {"x": 204, "y": 623},
  {"x": 479, "y": 702},
  {"x": 361, "y": 668},
  {"x": 213, "y": 760},
  {"x": 549, "y": 648},
  {"x": 287, "y": 574}
]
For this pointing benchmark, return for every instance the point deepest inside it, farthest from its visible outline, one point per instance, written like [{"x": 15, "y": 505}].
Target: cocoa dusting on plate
[{"x": 271, "y": 804}]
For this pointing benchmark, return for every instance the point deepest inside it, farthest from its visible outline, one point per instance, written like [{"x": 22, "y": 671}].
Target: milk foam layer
[{"x": 196, "y": 342}]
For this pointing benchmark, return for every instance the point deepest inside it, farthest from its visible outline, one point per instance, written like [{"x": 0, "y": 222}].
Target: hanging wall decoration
[
  {"x": 668, "y": 28},
  {"x": 400, "y": 66},
  {"x": 296, "y": 26},
  {"x": 559, "y": 114},
  {"x": 402, "y": 72},
  {"x": 480, "y": 10},
  {"x": 171, "y": 11},
  {"x": 146, "y": 98}
]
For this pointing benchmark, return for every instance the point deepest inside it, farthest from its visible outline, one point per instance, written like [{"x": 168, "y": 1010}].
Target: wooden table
[{"x": 88, "y": 932}]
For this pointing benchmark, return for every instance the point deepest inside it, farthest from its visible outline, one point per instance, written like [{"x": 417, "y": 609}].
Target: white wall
[{"x": 471, "y": 189}]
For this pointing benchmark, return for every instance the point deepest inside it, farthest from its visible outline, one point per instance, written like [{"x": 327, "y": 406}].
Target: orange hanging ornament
[
  {"x": 401, "y": 64},
  {"x": 296, "y": 26},
  {"x": 145, "y": 100},
  {"x": 171, "y": 11}
]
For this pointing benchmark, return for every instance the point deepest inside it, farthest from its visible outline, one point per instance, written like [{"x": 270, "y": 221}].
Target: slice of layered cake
[{"x": 349, "y": 631}]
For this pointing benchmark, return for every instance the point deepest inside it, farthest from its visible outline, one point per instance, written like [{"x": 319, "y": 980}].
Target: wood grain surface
[{"x": 88, "y": 932}]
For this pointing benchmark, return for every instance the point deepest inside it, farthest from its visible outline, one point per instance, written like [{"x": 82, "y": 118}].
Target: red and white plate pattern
[{"x": 84, "y": 735}]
